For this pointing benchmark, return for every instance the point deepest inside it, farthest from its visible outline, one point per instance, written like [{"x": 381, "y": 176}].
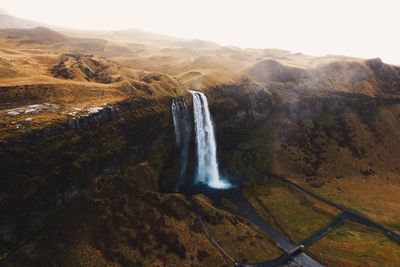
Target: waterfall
[
  {"x": 180, "y": 117},
  {"x": 207, "y": 166},
  {"x": 175, "y": 117}
]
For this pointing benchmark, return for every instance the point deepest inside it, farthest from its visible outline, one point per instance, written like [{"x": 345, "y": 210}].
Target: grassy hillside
[
  {"x": 138, "y": 228},
  {"x": 90, "y": 194}
]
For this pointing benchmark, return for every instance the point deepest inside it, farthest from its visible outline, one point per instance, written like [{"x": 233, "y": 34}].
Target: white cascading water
[
  {"x": 207, "y": 166},
  {"x": 181, "y": 121},
  {"x": 175, "y": 118}
]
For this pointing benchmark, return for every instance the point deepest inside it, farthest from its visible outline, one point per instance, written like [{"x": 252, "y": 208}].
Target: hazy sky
[{"x": 317, "y": 27}]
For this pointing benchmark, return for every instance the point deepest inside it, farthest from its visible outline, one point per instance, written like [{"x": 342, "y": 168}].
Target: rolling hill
[{"x": 89, "y": 159}]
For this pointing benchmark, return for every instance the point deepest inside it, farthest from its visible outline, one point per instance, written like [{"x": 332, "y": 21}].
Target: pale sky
[{"x": 367, "y": 29}]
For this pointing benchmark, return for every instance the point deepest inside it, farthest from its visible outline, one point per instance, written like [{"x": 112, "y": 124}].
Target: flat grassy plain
[
  {"x": 355, "y": 245},
  {"x": 296, "y": 215}
]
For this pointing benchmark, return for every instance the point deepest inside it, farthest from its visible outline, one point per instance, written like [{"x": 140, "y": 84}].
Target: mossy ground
[
  {"x": 269, "y": 122},
  {"x": 239, "y": 238},
  {"x": 355, "y": 245},
  {"x": 114, "y": 223},
  {"x": 348, "y": 156},
  {"x": 294, "y": 214}
]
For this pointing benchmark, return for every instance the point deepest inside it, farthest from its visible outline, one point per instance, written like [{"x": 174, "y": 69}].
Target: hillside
[
  {"x": 89, "y": 156},
  {"x": 9, "y": 21}
]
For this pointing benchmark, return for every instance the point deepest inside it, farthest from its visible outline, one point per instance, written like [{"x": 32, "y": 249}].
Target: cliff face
[
  {"x": 47, "y": 167},
  {"x": 72, "y": 183},
  {"x": 302, "y": 132},
  {"x": 333, "y": 121},
  {"x": 89, "y": 178},
  {"x": 332, "y": 127},
  {"x": 317, "y": 138},
  {"x": 341, "y": 145},
  {"x": 298, "y": 133}
]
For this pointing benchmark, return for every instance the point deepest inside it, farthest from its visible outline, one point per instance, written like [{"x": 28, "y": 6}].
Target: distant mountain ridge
[{"x": 9, "y": 21}]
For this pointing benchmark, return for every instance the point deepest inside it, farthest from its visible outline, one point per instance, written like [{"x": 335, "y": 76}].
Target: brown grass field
[{"x": 347, "y": 153}]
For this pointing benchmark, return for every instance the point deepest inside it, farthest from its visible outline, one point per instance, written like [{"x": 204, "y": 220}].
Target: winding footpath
[
  {"x": 246, "y": 210},
  {"x": 345, "y": 215}
]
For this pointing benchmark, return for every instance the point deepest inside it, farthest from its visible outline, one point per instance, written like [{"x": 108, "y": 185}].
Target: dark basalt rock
[
  {"x": 103, "y": 115},
  {"x": 48, "y": 167}
]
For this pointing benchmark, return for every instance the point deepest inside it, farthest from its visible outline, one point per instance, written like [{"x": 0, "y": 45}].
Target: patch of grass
[
  {"x": 238, "y": 237},
  {"x": 115, "y": 223},
  {"x": 355, "y": 245},
  {"x": 296, "y": 215}
]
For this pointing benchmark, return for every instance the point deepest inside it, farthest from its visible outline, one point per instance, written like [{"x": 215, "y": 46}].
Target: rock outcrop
[
  {"x": 94, "y": 119},
  {"x": 86, "y": 68}
]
